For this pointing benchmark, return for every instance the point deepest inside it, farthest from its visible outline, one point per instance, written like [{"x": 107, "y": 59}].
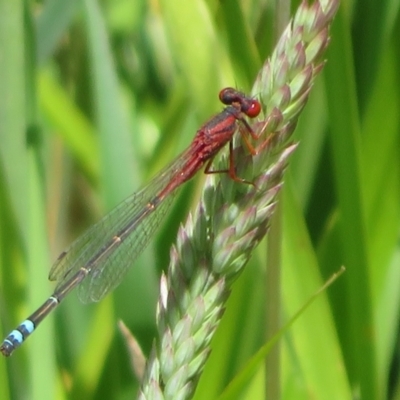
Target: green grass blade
[
  {"x": 359, "y": 347},
  {"x": 51, "y": 25},
  {"x": 75, "y": 131},
  {"x": 117, "y": 178}
]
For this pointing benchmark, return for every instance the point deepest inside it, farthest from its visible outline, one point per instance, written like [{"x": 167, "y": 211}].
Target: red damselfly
[{"x": 98, "y": 260}]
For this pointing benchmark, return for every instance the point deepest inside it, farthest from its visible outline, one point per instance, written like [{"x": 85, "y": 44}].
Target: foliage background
[{"x": 96, "y": 96}]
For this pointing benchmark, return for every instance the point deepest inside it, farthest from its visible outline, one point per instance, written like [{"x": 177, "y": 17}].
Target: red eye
[
  {"x": 249, "y": 106},
  {"x": 253, "y": 109}
]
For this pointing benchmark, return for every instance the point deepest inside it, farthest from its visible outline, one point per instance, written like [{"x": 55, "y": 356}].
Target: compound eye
[
  {"x": 228, "y": 95},
  {"x": 253, "y": 109}
]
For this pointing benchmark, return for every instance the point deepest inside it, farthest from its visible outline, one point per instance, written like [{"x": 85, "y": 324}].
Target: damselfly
[{"x": 98, "y": 260}]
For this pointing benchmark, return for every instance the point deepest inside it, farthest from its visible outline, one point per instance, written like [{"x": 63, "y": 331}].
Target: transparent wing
[{"x": 108, "y": 271}]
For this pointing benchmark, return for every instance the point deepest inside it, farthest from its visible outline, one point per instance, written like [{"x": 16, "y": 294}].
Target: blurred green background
[{"x": 97, "y": 96}]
